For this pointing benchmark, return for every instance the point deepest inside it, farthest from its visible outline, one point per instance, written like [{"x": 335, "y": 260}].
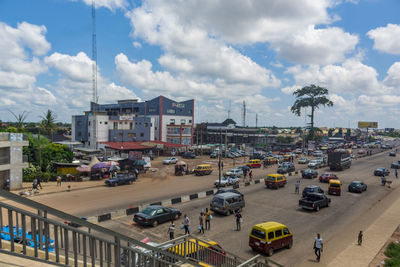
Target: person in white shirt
[{"x": 318, "y": 246}]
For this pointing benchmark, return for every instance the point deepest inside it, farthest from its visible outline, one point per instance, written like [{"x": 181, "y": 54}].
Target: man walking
[
  {"x": 297, "y": 188},
  {"x": 360, "y": 236},
  {"x": 171, "y": 230},
  {"x": 239, "y": 219},
  {"x": 207, "y": 215},
  {"x": 201, "y": 223},
  {"x": 186, "y": 225},
  {"x": 39, "y": 183},
  {"x": 318, "y": 247},
  {"x": 396, "y": 174},
  {"x": 58, "y": 181}
]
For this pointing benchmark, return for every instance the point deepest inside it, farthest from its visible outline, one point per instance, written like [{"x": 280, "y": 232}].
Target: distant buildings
[
  {"x": 11, "y": 159},
  {"x": 158, "y": 119}
]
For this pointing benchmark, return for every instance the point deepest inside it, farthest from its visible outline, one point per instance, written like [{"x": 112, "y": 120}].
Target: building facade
[
  {"x": 11, "y": 159},
  {"x": 159, "y": 119}
]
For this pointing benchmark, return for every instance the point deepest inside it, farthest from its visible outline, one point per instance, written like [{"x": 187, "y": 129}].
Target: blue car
[{"x": 17, "y": 236}]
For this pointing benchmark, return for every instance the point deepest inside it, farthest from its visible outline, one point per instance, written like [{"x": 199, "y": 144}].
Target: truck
[
  {"x": 314, "y": 201},
  {"x": 338, "y": 160},
  {"x": 121, "y": 179}
]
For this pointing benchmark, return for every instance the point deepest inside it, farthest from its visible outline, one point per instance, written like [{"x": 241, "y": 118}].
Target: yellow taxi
[
  {"x": 204, "y": 169},
  {"x": 275, "y": 180},
  {"x": 254, "y": 163}
]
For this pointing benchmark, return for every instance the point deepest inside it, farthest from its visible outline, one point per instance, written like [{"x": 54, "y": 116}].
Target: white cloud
[
  {"x": 386, "y": 39},
  {"x": 392, "y": 79},
  {"x": 137, "y": 45},
  {"x": 110, "y": 4},
  {"x": 77, "y": 68}
]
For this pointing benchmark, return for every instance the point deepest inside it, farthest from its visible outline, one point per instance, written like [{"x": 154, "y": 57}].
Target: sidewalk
[{"x": 374, "y": 238}]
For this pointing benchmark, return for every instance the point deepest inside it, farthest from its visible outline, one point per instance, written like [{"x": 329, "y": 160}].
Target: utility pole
[
  {"x": 219, "y": 158},
  {"x": 201, "y": 140},
  {"x": 256, "y": 120},
  {"x": 244, "y": 114}
]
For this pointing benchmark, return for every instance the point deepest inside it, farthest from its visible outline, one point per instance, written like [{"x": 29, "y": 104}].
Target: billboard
[{"x": 367, "y": 124}]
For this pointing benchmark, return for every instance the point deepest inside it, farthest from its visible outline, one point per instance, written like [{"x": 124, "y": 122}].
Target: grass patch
[{"x": 393, "y": 252}]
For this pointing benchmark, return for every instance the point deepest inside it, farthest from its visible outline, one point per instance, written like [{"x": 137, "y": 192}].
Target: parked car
[
  {"x": 313, "y": 164},
  {"x": 170, "y": 161},
  {"x": 361, "y": 152},
  {"x": 214, "y": 155},
  {"x": 309, "y": 173},
  {"x": 298, "y": 151},
  {"x": 156, "y": 214},
  {"x": 226, "y": 181},
  {"x": 227, "y": 189},
  {"x": 312, "y": 189},
  {"x": 314, "y": 201},
  {"x": 392, "y": 153},
  {"x": 318, "y": 154},
  {"x": 325, "y": 177},
  {"x": 188, "y": 155},
  {"x": 286, "y": 167},
  {"x": 395, "y": 165},
  {"x": 120, "y": 179},
  {"x": 381, "y": 171},
  {"x": 235, "y": 172},
  {"x": 357, "y": 186},
  {"x": 303, "y": 161},
  {"x": 227, "y": 203}
]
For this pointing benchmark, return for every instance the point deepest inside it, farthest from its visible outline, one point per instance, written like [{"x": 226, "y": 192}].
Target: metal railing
[{"x": 39, "y": 232}]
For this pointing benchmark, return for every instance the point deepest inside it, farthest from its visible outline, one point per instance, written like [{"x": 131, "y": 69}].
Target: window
[
  {"x": 151, "y": 110},
  {"x": 258, "y": 233},
  {"x": 190, "y": 111},
  {"x": 100, "y": 122},
  {"x": 132, "y": 135},
  {"x": 120, "y": 122},
  {"x": 172, "y": 121},
  {"x": 146, "y": 124},
  {"x": 286, "y": 231},
  {"x": 79, "y": 133},
  {"x": 271, "y": 235},
  {"x": 89, "y": 123},
  {"x": 155, "y": 128},
  {"x": 170, "y": 111},
  {"x": 79, "y": 123},
  {"x": 278, "y": 233},
  {"x": 135, "y": 110},
  {"x": 89, "y": 134},
  {"x": 183, "y": 121},
  {"x": 130, "y": 125},
  {"x": 106, "y": 122},
  {"x": 115, "y": 125},
  {"x": 141, "y": 134},
  {"x": 190, "y": 121}
]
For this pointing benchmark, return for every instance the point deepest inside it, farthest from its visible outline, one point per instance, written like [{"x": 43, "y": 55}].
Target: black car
[
  {"x": 381, "y": 171},
  {"x": 188, "y": 155},
  {"x": 120, "y": 179},
  {"x": 156, "y": 214},
  {"x": 227, "y": 189},
  {"x": 309, "y": 173},
  {"x": 392, "y": 153},
  {"x": 286, "y": 167},
  {"x": 312, "y": 189},
  {"x": 357, "y": 186}
]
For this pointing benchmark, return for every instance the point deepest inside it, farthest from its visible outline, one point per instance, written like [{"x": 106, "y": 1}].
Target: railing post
[
  {"x": 74, "y": 248},
  {"x": 117, "y": 250},
  {"x": 66, "y": 246},
  {"x": 56, "y": 244},
  {"x": 34, "y": 236},
  {"x": 23, "y": 222},
  {"x": 40, "y": 229},
  {"x": 11, "y": 229},
  {"x": 84, "y": 250},
  {"x": 1, "y": 226}
]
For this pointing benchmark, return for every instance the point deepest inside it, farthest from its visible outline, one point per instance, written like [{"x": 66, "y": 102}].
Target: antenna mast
[
  {"x": 244, "y": 114},
  {"x": 94, "y": 53}
]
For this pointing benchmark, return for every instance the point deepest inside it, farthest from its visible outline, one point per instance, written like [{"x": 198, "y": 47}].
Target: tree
[
  {"x": 330, "y": 132},
  {"x": 310, "y": 96},
  {"x": 340, "y": 132},
  {"x": 48, "y": 123},
  {"x": 21, "y": 117}
]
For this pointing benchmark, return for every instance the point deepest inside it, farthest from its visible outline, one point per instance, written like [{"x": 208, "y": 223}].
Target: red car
[{"x": 325, "y": 177}]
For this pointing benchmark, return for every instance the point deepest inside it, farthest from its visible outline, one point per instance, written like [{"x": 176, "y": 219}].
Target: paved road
[{"x": 281, "y": 205}]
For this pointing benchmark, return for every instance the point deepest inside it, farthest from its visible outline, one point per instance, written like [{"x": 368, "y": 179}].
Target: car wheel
[
  {"x": 155, "y": 223},
  {"x": 289, "y": 246},
  {"x": 317, "y": 208},
  {"x": 270, "y": 252}
]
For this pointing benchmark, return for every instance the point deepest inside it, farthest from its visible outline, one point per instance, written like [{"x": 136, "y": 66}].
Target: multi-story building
[
  {"x": 159, "y": 119},
  {"x": 11, "y": 159}
]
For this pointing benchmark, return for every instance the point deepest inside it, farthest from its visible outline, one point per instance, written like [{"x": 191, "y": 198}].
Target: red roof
[
  {"x": 126, "y": 145},
  {"x": 138, "y": 145}
]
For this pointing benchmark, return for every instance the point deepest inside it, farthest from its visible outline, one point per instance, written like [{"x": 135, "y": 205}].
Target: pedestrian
[
  {"x": 38, "y": 183},
  {"x": 58, "y": 181},
  {"x": 396, "y": 174},
  {"x": 208, "y": 217},
  {"x": 186, "y": 225},
  {"x": 239, "y": 220},
  {"x": 8, "y": 185},
  {"x": 34, "y": 185},
  {"x": 222, "y": 165},
  {"x": 297, "y": 188},
  {"x": 137, "y": 173},
  {"x": 251, "y": 175},
  {"x": 201, "y": 223},
  {"x": 230, "y": 180},
  {"x": 318, "y": 247},
  {"x": 244, "y": 174},
  {"x": 360, "y": 236},
  {"x": 171, "y": 230}
]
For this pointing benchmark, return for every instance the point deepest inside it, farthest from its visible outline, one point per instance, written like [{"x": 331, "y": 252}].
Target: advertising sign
[
  {"x": 178, "y": 105},
  {"x": 135, "y": 155},
  {"x": 126, "y": 117},
  {"x": 367, "y": 124}
]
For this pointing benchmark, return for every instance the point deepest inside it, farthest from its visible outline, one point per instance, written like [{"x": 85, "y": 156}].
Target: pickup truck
[
  {"x": 314, "y": 201},
  {"x": 120, "y": 179}
]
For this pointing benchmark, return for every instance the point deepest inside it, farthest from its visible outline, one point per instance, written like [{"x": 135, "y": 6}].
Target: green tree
[
  {"x": 310, "y": 96},
  {"x": 340, "y": 132},
  {"x": 330, "y": 132},
  {"x": 348, "y": 132},
  {"x": 48, "y": 123},
  {"x": 20, "y": 120}
]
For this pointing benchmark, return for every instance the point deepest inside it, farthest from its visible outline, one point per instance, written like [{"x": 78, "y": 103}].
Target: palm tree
[
  {"x": 21, "y": 117},
  {"x": 310, "y": 96},
  {"x": 48, "y": 122}
]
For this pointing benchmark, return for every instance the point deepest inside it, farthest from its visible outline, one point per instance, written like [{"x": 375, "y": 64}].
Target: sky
[{"x": 219, "y": 52}]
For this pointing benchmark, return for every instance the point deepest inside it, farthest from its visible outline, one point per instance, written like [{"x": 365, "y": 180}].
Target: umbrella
[
  {"x": 139, "y": 162},
  {"x": 83, "y": 168},
  {"x": 112, "y": 163},
  {"x": 181, "y": 163},
  {"x": 100, "y": 165},
  {"x": 114, "y": 168}
]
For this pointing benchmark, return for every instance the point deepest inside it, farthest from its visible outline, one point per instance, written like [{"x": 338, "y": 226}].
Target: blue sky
[{"x": 215, "y": 51}]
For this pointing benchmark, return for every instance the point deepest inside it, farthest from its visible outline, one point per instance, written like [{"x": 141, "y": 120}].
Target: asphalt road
[{"x": 282, "y": 206}]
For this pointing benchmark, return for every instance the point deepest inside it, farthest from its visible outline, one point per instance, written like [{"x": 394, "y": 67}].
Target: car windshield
[
  {"x": 218, "y": 201},
  {"x": 356, "y": 184},
  {"x": 271, "y": 178},
  {"x": 149, "y": 211}
]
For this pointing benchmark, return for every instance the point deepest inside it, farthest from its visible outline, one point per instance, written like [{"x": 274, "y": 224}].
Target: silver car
[
  {"x": 303, "y": 161},
  {"x": 170, "y": 161},
  {"x": 235, "y": 172},
  {"x": 227, "y": 181}
]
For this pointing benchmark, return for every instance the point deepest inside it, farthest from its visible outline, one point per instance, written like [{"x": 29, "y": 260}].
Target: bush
[
  {"x": 394, "y": 262},
  {"x": 393, "y": 250}
]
